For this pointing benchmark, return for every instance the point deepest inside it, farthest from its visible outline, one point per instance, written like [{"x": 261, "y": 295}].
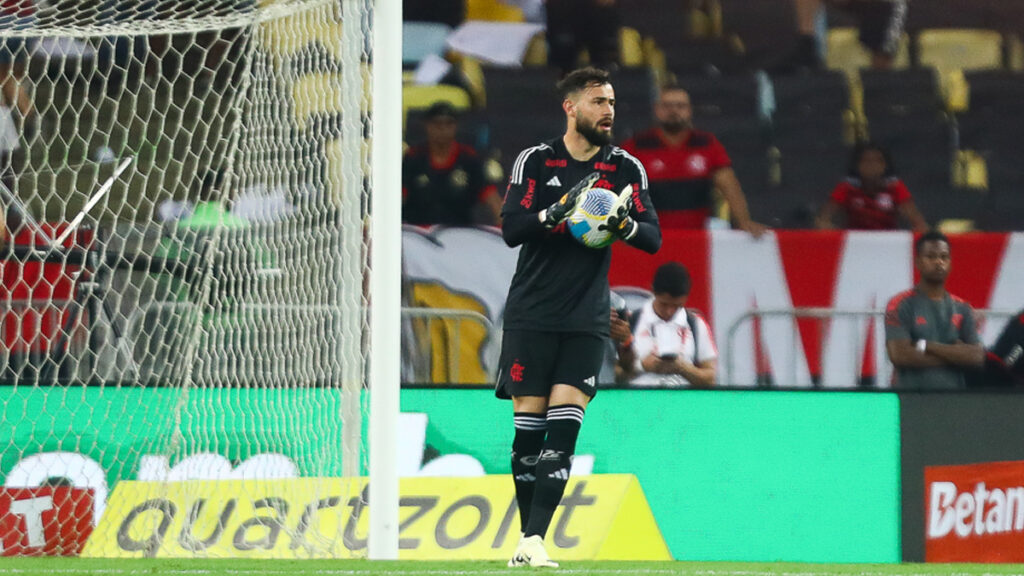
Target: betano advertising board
[{"x": 729, "y": 475}]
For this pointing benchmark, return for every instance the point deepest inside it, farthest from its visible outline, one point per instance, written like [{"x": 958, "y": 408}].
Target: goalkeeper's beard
[{"x": 593, "y": 135}]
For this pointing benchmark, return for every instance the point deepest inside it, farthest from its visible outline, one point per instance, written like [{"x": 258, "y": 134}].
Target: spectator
[
  {"x": 620, "y": 359},
  {"x": 930, "y": 335},
  {"x": 673, "y": 345},
  {"x": 573, "y": 25},
  {"x": 872, "y": 197},
  {"x": 444, "y": 181},
  {"x": 881, "y": 27},
  {"x": 1004, "y": 365},
  {"x": 685, "y": 166}
]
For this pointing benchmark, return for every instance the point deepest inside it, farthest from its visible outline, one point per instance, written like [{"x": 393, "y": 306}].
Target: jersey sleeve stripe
[
  {"x": 520, "y": 164},
  {"x": 639, "y": 165}
]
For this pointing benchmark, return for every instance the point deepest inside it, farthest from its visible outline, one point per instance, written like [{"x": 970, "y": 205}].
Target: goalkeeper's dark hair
[
  {"x": 929, "y": 236},
  {"x": 582, "y": 78},
  {"x": 671, "y": 278}
]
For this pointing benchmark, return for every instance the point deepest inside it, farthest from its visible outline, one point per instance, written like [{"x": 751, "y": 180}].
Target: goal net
[{"x": 199, "y": 340}]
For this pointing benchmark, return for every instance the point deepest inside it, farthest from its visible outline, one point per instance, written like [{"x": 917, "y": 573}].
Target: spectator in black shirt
[
  {"x": 444, "y": 181},
  {"x": 557, "y": 311}
]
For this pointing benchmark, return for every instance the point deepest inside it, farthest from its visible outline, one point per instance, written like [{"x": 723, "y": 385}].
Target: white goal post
[{"x": 202, "y": 269}]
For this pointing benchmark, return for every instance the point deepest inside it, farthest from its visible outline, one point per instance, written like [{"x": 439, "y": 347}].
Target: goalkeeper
[{"x": 556, "y": 315}]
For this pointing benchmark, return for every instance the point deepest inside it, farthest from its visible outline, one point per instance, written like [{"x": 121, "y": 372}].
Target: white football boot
[{"x": 531, "y": 552}]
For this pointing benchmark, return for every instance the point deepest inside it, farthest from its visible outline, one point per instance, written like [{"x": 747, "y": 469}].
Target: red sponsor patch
[
  {"x": 604, "y": 183},
  {"x": 973, "y": 512},
  {"x": 527, "y": 200},
  {"x": 958, "y": 319},
  {"x": 638, "y": 205},
  {"x": 921, "y": 321},
  {"x": 605, "y": 167},
  {"x": 45, "y": 521},
  {"x": 556, "y": 163}
]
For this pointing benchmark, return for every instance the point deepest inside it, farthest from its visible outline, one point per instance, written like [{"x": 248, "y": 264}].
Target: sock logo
[
  {"x": 526, "y": 478},
  {"x": 529, "y": 460},
  {"x": 560, "y": 474},
  {"x": 550, "y": 455}
]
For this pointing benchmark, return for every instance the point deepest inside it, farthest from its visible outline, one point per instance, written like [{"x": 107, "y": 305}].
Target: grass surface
[{"x": 87, "y": 567}]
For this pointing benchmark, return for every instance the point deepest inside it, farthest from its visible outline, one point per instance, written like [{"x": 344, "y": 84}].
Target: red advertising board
[
  {"x": 45, "y": 521},
  {"x": 974, "y": 513}
]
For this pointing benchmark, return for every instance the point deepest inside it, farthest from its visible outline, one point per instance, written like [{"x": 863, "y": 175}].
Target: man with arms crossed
[
  {"x": 556, "y": 314},
  {"x": 931, "y": 335}
]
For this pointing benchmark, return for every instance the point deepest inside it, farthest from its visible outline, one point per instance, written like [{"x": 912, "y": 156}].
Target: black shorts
[
  {"x": 881, "y": 23},
  {"x": 532, "y": 361}
]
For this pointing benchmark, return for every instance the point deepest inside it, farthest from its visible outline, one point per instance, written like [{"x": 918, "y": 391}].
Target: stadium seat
[
  {"x": 422, "y": 39},
  {"x": 279, "y": 33},
  {"x": 958, "y": 49},
  {"x": 522, "y": 108},
  {"x": 712, "y": 57},
  {"x": 631, "y": 53},
  {"x": 995, "y": 92},
  {"x": 493, "y": 10},
  {"x": 895, "y": 93},
  {"x": 846, "y": 54},
  {"x": 634, "y": 98},
  {"x": 824, "y": 95},
  {"x": 726, "y": 96},
  {"x": 316, "y": 94},
  {"x": 421, "y": 97},
  {"x": 970, "y": 170},
  {"x": 953, "y": 52}
]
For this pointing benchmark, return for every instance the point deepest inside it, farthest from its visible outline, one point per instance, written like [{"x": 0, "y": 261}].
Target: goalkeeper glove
[
  {"x": 619, "y": 221},
  {"x": 559, "y": 211}
]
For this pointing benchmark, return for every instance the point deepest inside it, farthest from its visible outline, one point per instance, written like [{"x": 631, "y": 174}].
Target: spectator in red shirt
[
  {"x": 444, "y": 182},
  {"x": 684, "y": 167},
  {"x": 872, "y": 197}
]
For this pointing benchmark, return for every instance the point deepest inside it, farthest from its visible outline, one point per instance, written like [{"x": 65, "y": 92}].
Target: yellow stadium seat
[
  {"x": 631, "y": 53},
  {"x": 948, "y": 50},
  {"x": 286, "y": 36},
  {"x": 970, "y": 170},
  {"x": 956, "y": 226},
  {"x": 473, "y": 73},
  {"x": 845, "y": 53},
  {"x": 536, "y": 52},
  {"x": 493, "y": 10},
  {"x": 421, "y": 97},
  {"x": 316, "y": 94},
  {"x": 952, "y": 52}
]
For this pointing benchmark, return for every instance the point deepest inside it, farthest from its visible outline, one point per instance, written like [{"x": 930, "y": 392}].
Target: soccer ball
[{"x": 591, "y": 211}]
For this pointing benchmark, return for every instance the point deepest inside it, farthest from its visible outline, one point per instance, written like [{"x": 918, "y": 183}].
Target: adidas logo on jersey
[
  {"x": 592, "y": 381},
  {"x": 555, "y": 182}
]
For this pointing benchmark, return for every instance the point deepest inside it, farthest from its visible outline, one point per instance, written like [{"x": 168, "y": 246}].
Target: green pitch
[{"x": 83, "y": 567}]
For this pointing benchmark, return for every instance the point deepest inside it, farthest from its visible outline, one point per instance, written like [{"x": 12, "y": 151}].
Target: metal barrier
[
  {"x": 453, "y": 344},
  {"x": 830, "y": 316},
  {"x": 151, "y": 338}
]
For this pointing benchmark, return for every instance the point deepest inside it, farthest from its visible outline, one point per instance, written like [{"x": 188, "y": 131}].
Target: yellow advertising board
[{"x": 601, "y": 517}]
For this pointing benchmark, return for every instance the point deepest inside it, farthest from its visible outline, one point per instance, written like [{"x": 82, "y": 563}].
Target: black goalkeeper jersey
[{"x": 561, "y": 285}]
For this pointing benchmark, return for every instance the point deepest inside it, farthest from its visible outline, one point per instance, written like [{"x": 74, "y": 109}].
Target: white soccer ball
[{"x": 592, "y": 210}]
